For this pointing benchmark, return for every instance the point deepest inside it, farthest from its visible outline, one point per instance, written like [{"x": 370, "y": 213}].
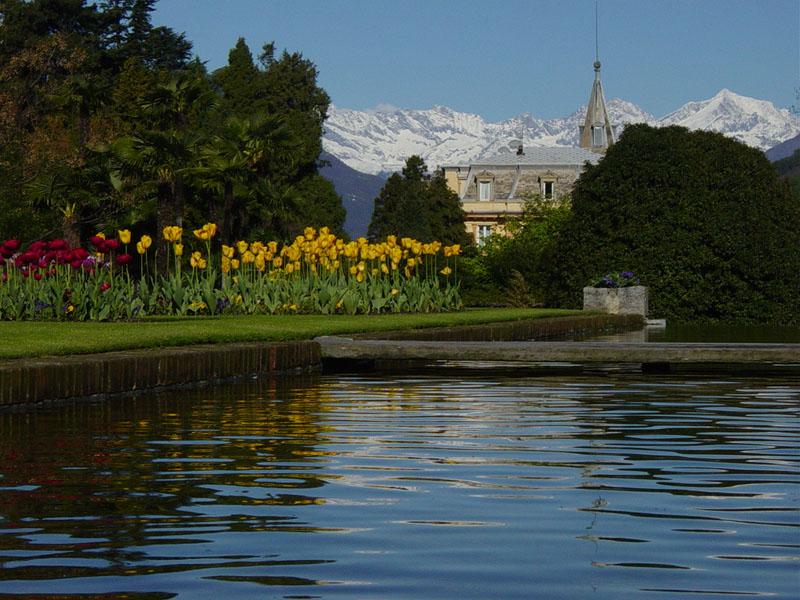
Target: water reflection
[{"x": 408, "y": 487}]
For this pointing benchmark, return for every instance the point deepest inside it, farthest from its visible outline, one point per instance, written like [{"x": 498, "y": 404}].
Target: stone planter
[{"x": 616, "y": 301}]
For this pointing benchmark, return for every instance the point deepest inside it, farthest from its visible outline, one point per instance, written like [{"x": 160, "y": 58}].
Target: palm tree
[
  {"x": 234, "y": 161},
  {"x": 166, "y": 145}
]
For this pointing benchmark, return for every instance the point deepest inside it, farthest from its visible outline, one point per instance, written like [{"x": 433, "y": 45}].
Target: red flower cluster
[
  {"x": 103, "y": 245},
  {"x": 41, "y": 257},
  {"x": 7, "y": 249}
]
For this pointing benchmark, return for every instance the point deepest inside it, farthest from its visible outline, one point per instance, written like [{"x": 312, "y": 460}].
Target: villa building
[{"x": 494, "y": 189}]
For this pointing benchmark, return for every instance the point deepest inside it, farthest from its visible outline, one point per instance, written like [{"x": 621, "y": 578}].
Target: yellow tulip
[
  {"x": 101, "y": 235},
  {"x": 384, "y": 268},
  {"x": 206, "y": 232},
  {"x": 225, "y": 264},
  {"x": 139, "y": 248},
  {"x": 309, "y": 233},
  {"x": 124, "y": 236},
  {"x": 277, "y": 262},
  {"x": 172, "y": 233},
  {"x": 196, "y": 260},
  {"x": 178, "y": 249},
  {"x": 446, "y": 271},
  {"x": 146, "y": 241},
  {"x": 241, "y": 246},
  {"x": 360, "y": 277},
  {"x": 227, "y": 251},
  {"x": 248, "y": 257},
  {"x": 234, "y": 263}
]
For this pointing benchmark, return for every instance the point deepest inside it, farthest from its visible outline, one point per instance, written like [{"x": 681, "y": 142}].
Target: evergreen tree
[
  {"x": 283, "y": 89},
  {"x": 239, "y": 82},
  {"x": 419, "y": 206}
]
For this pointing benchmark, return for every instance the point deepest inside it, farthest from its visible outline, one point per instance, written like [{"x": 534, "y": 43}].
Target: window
[
  {"x": 598, "y": 136},
  {"x": 484, "y": 190},
  {"x": 481, "y": 233},
  {"x": 547, "y": 189}
]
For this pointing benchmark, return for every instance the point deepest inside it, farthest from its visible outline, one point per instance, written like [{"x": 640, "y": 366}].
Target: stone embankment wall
[
  {"x": 573, "y": 327},
  {"x": 28, "y": 381}
]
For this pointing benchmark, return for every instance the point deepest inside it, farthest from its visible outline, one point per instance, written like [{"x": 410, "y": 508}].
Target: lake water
[{"x": 401, "y": 486}]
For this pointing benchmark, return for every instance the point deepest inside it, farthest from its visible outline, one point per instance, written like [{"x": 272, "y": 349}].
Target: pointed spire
[{"x": 596, "y": 133}]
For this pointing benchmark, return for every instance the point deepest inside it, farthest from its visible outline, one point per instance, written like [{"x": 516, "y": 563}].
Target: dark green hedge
[{"x": 701, "y": 218}]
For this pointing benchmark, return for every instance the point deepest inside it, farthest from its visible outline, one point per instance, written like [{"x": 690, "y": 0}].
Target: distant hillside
[
  {"x": 784, "y": 149},
  {"x": 358, "y": 191},
  {"x": 789, "y": 167}
]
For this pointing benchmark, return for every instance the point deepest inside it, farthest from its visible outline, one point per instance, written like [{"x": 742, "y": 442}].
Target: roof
[{"x": 538, "y": 156}]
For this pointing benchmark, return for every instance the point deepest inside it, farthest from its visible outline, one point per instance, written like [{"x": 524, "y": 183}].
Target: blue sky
[{"x": 499, "y": 59}]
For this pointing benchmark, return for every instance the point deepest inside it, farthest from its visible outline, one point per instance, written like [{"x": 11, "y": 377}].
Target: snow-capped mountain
[{"x": 381, "y": 141}]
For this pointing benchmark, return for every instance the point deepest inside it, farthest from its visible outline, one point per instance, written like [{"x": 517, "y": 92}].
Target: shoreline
[{"x": 29, "y": 381}]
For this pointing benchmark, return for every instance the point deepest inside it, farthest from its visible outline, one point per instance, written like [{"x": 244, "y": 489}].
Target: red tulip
[
  {"x": 79, "y": 253},
  {"x": 112, "y": 245},
  {"x": 12, "y": 245},
  {"x": 37, "y": 276},
  {"x": 58, "y": 244},
  {"x": 98, "y": 243},
  {"x": 105, "y": 286},
  {"x": 124, "y": 259},
  {"x": 76, "y": 263}
]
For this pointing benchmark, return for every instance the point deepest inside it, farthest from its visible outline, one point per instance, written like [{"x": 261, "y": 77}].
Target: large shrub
[
  {"x": 521, "y": 254},
  {"x": 701, "y": 218}
]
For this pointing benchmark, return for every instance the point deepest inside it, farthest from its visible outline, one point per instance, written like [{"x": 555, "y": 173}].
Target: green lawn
[{"x": 26, "y": 338}]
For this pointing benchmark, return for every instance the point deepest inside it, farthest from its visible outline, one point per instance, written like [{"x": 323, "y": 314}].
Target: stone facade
[{"x": 495, "y": 190}]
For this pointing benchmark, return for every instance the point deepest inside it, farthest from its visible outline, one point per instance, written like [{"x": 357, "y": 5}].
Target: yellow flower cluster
[
  {"x": 143, "y": 244},
  {"x": 321, "y": 250},
  {"x": 197, "y": 261}
]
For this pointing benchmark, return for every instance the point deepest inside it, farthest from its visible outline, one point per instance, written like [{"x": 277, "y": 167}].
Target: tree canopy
[
  {"x": 417, "y": 205},
  {"x": 702, "y": 219},
  {"x": 106, "y": 119}
]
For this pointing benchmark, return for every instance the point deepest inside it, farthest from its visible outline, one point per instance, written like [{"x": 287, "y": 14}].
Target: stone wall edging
[
  {"x": 35, "y": 380},
  {"x": 545, "y": 328}
]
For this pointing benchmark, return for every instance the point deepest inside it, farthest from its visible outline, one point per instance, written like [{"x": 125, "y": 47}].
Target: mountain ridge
[{"x": 379, "y": 141}]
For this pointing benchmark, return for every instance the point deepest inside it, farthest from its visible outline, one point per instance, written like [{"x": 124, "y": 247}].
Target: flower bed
[{"x": 316, "y": 273}]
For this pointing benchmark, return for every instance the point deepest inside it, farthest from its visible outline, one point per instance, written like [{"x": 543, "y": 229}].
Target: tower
[{"x": 596, "y": 133}]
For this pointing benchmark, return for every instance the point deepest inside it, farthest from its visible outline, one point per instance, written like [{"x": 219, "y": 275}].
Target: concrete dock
[{"x": 561, "y": 352}]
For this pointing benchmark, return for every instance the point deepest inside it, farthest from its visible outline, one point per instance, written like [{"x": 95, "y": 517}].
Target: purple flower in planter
[{"x": 627, "y": 274}]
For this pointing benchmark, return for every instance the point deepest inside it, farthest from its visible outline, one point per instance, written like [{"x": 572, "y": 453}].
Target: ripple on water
[{"x": 393, "y": 486}]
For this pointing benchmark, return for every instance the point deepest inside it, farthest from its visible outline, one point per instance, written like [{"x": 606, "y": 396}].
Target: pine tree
[{"x": 419, "y": 206}]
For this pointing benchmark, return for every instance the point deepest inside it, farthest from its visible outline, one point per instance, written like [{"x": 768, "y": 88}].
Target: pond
[{"x": 408, "y": 486}]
